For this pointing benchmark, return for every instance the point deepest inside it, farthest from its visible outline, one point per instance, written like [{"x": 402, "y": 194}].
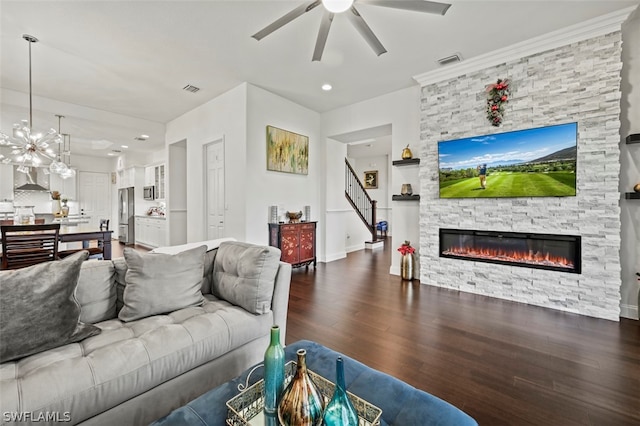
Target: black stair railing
[{"x": 364, "y": 206}]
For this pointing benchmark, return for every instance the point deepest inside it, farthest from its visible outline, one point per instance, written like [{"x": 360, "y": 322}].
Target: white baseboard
[
  {"x": 335, "y": 256},
  {"x": 394, "y": 270},
  {"x": 374, "y": 245},
  {"x": 629, "y": 311},
  {"x": 355, "y": 247}
]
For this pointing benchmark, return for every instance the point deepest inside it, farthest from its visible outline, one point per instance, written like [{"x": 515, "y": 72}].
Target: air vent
[
  {"x": 450, "y": 59},
  {"x": 190, "y": 88}
]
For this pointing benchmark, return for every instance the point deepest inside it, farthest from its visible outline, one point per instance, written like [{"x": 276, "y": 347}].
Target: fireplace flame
[{"x": 513, "y": 256}]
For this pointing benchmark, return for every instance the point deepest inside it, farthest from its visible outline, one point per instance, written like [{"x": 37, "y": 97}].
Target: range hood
[{"x": 35, "y": 180}]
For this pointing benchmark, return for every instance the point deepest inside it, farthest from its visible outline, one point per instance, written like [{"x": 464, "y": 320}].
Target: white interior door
[
  {"x": 214, "y": 189},
  {"x": 95, "y": 197}
]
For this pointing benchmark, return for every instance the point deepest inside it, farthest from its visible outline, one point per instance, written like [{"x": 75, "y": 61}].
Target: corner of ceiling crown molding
[{"x": 595, "y": 27}]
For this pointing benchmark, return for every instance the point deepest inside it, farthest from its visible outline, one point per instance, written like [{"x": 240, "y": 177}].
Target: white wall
[
  {"x": 630, "y": 167},
  {"x": 401, "y": 109},
  {"x": 224, "y": 116},
  {"x": 266, "y": 188}
]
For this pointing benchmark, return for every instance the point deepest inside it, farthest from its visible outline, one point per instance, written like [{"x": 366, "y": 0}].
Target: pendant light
[
  {"x": 57, "y": 166},
  {"x": 29, "y": 149}
]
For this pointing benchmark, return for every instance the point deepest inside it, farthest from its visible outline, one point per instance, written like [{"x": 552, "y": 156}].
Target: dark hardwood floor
[{"x": 504, "y": 363}]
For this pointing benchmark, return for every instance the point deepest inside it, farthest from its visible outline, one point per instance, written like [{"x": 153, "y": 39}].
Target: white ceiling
[{"x": 116, "y": 69}]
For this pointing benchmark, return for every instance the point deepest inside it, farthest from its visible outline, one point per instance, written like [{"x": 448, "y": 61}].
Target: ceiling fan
[{"x": 333, "y": 7}]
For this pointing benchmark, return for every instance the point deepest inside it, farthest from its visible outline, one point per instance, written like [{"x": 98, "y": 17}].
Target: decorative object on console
[
  {"x": 637, "y": 187},
  {"x": 302, "y": 403},
  {"x": 273, "y": 372},
  {"x": 371, "y": 179},
  {"x": 294, "y": 217},
  {"x": 406, "y": 189},
  {"x": 406, "y": 153},
  {"x": 287, "y": 151},
  {"x": 406, "y": 261},
  {"x": 340, "y": 411},
  {"x": 273, "y": 214},
  {"x": 39, "y": 310},
  {"x": 307, "y": 213},
  {"x": 497, "y": 97},
  {"x": 29, "y": 149},
  {"x": 539, "y": 162}
]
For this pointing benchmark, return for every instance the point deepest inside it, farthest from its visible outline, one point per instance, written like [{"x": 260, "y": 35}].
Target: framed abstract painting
[{"x": 287, "y": 152}]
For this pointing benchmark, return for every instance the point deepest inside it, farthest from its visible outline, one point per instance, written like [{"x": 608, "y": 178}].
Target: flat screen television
[{"x": 538, "y": 162}]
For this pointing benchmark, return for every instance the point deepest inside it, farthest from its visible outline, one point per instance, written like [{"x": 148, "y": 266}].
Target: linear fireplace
[{"x": 542, "y": 251}]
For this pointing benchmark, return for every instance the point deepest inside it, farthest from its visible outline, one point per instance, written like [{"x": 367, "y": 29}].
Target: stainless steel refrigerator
[{"x": 126, "y": 221}]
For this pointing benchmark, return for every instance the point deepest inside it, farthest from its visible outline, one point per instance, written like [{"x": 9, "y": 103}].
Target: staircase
[{"x": 364, "y": 206}]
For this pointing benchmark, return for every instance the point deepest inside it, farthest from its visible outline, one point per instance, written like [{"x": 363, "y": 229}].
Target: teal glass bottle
[
  {"x": 273, "y": 372},
  {"x": 340, "y": 411}
]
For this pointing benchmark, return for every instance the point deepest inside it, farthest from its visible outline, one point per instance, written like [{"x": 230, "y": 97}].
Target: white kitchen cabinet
[
  {"x": 6, "y": 182},
  {"x": 151, "y": 232},
  {"x": 67, "y": 187},
  {"x": 149, "y": 176},
  {"x": 159, "y": 181}
]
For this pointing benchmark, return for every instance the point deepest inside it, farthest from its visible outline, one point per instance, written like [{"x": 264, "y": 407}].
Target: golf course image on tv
[{"x": 538, "y": 162}]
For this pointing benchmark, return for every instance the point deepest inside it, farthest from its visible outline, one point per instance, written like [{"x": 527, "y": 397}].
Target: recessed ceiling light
[
  {"x": 141, "y": 137},
  {"x": 326, "y": 87},
  {"x": 125, "y": 146},
  {"x": 110, "y": 154}
]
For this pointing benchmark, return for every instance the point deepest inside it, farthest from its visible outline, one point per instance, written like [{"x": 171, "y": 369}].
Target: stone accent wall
[{"x": 579, "y": 82}]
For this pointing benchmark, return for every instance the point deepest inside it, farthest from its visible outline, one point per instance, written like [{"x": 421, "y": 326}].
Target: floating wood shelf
[
  {"x": 635, "y": 138},
  {"x": 628, "y": 195},
  {"x": 408, "y": 162},
  {"x": 413, "y": 197}
]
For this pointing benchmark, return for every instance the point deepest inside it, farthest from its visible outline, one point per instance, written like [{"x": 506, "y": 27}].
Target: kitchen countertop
[{"x": 151, "y": 216}]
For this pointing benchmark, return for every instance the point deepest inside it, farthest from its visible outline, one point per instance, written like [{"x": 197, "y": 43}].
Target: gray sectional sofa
[{"x": 135, "y": 372}]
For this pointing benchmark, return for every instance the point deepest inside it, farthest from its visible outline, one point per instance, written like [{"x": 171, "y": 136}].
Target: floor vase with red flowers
[{"x": 406, "y": 261}]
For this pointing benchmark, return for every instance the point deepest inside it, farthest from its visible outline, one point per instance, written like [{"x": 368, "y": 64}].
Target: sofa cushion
[
  {"x": 244, "y": 275},
  {"x": 157, "y": 283},
  {"x": 126, "y": 359},
  {"x": 96, "y": 291},
  {"x": 38, "y": 308}
]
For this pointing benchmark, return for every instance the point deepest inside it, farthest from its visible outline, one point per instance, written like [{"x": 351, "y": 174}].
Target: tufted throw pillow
[
  {"x": 158, "y": 283},
  {"x": 38, "y": 308},
  {"x": 244, "y": 274}
]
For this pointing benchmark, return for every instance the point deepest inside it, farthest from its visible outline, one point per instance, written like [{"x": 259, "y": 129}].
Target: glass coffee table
[{"x": 401, "y": 403}]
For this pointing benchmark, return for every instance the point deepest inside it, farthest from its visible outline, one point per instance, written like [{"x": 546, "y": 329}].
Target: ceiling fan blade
[
  {"x": 358, "y": 21},
  {"x": 413, "y": 5},
  {"x": 298, "y": 11},
  {"x": 323, "y": 33}
]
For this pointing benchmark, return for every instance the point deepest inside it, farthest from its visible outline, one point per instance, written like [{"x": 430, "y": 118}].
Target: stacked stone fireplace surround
[{"x": 579, "y": 83}]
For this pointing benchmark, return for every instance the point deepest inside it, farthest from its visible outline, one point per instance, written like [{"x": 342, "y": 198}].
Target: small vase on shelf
[
  {"x": 273, "y": 372},
  {"x": 340, "y": 411},
  {"x": 301, "y": 403},
  {"x": 406, "y": 153}
]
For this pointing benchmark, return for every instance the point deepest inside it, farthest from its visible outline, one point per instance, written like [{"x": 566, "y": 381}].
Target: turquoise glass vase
[
  {"x": 273, "y": 372},
  {"x": 340, "y": 411},
  {"x": 302, "y": 403}
]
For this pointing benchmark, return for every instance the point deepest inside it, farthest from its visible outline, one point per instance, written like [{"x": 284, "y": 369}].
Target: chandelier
[
  {"x": 58, "y": 166},
  {"x": 29, "y": 149}
]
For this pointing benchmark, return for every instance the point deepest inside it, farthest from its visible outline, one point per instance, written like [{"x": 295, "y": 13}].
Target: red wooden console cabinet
[{"x": 297, "y": 241}]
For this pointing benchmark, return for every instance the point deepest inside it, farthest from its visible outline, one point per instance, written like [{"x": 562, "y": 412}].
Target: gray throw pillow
[
  {"x": 38, "y": 308},
  {"x": 244, "y": 274},
  {"x": 158, "y": 283}
]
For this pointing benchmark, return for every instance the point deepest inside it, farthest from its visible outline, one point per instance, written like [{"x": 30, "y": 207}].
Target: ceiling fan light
[{"x": 337, "y": 6}]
